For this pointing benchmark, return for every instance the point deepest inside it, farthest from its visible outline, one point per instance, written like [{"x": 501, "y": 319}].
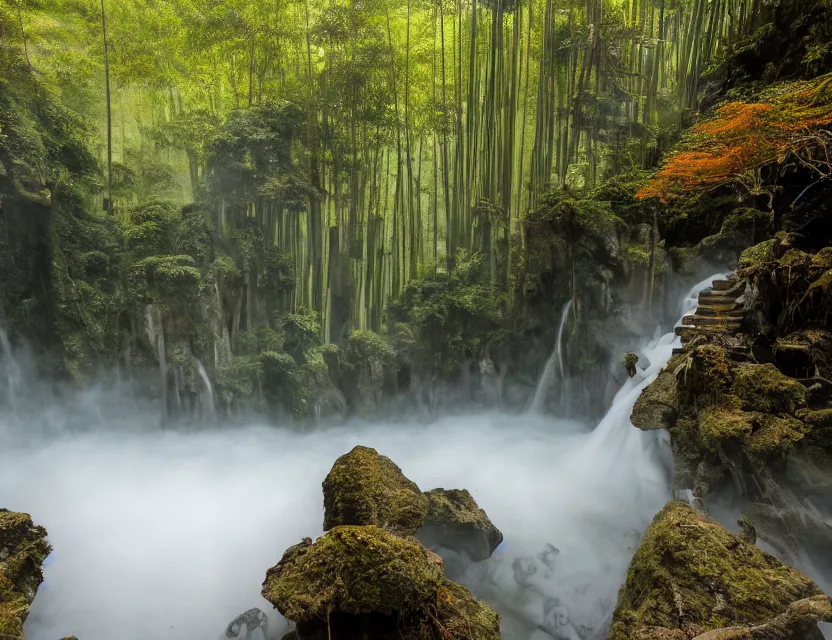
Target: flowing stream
[{"x": 168, "y": 534}]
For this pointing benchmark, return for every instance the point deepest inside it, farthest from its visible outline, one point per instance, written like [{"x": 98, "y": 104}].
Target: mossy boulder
[
  {"x": 23, "y": 548},
  {"x": 366, "y": 488},
  {"x": 705, "y": 375},
  {"x": 761, "y": 387},
  {"x": 464, "y": 617},
  {"x": 656, "y": 407},
  {"x": 364, "y": 581},
  {"x": 761, "y": 434},
  {"x": 455, "y": 521},
  {"x": 353, "y": 570},
  {"x": 693, "y": 575}
]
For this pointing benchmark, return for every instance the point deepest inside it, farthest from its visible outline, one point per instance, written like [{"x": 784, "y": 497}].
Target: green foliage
[
  {"x": 455, "y": 316},
  {"x": 303, "y": 332},
  {"x": 171, "y": 279}
]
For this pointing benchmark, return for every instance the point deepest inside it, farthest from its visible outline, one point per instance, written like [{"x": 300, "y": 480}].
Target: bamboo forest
[{"x": 570, "y": 257}]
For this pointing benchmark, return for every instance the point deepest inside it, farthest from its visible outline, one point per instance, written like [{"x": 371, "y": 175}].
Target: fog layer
[{"x": 169, "y": 534}]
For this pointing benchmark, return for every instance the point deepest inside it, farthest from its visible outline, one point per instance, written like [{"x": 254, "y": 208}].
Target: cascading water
[
  {"x": 546, "y": 379},
  {"x": 169, "y": 533},
  {"x": 10, "y": 370},
  {"x": 208, "y": 402}
]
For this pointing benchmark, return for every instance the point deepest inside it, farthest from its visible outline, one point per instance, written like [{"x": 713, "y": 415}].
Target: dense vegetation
[{"x": 315, "y": 205}]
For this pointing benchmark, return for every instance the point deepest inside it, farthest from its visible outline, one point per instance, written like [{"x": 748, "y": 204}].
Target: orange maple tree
[{"x": 791, "y": 124}]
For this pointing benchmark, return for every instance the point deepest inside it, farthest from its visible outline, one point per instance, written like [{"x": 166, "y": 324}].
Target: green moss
[
  {"x": 760, "y": 253},
  {"x": 365, "y": 488},
  {"x": 629, "y": 361},
  {"x": 464, "y": 617},
  {"x": 455, "y": 521},
  {"x": 718, "y": 424},
  {"x": 761, "y": 434},
  {"x": 761, "y": 387},
  {"x": 689, "y": 571},
  {"x": 774, "y": 434},
  {"x": 353, "y": 570},
  {"x": 23, "y": 548},
  {"x": 705, "y": 375}
]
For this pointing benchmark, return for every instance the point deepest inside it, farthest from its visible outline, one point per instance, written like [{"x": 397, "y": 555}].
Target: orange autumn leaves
[{"x": 793, "y": 121}]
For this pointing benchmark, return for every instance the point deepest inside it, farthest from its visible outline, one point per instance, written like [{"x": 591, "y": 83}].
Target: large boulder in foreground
[
  {"x": 366, "y": 488},
  {"x": 690, "y": 576},
  {"x": 363, "y": 581},
  {"x": 23, "y": 548},
  {"x": 456, "y": 522}
]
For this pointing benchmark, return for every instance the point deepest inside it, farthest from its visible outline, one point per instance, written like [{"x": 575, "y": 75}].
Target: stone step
[
  {"x": 687, "y": 333},
  {"x": 696, "y": 320},
  {"x": 715, "y": 299},
  {"x": 723, "y": 285},
  {"x": 723, "y": 310}
]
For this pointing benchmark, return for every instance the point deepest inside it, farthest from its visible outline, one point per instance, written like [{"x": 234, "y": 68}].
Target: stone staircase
[{"x": 718, "y": 312}]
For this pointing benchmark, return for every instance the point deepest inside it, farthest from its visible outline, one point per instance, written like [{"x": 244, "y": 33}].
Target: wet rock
[
  {"x": 656, "y": 406},
  {"x": 366, "y": 488},
  {"x": 761, "y": 387},
  {"x": 456, "y": 522},
  {"x": 691, "y": 573},
  {"x": 363, "y": 581},
  {"x": 23, "y": 548}
]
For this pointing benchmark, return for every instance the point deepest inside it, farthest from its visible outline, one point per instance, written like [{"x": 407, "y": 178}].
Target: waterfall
[
  {"x": 601, "y": 494},
  {"x": 11, "y": 369},
  {"x": 549, "y": 370},
  {"x": 156, "y": 335},
  {"x": 208, "y": 403}
]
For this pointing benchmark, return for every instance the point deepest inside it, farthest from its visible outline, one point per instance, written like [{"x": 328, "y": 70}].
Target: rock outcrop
[
  {"x": 23, "y": 548},
  {"x": 367, "y": 577},
  {"x": 456, "y": 522},
  {"x": 366, "y": 488},
  {"x": 690, "y": 576}
]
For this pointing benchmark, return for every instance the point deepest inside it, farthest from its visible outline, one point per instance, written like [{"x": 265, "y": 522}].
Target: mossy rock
[
  {"x": 691, "y": 573},
  {"x": 761, "y": 434},
  {"x": 464, "y": 617},
  {"x": 455, "y": 521},
  {"x": 761, "y": 387},
  {"x": 353, "y": 570},
  {"x": 760, "y": 253},
  {"x": 23, "y": 548},
  {"x": 656, "y": 407},
  {"x": 706, "y": 375},
  {"x": 366, "y": 488}
]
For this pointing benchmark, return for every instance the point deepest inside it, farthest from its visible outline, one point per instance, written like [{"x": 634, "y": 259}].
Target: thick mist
[{"x": 169, "y": 533}]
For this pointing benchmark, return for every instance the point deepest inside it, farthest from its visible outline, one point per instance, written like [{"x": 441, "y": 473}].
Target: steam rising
[{"x": 169, "y": 534}]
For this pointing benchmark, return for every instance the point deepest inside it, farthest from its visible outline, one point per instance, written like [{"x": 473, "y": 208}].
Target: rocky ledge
[
  {"x": 691, "y": 578},
  {"x": 23, "y": 548}
]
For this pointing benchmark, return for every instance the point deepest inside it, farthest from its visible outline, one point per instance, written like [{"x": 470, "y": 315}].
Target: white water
[
  {"x": 546, "y": 379},
  {"x": 9, "y": 370},
  {"x": 208, "y": 402},
  {"x": 169, "y": 534}
]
